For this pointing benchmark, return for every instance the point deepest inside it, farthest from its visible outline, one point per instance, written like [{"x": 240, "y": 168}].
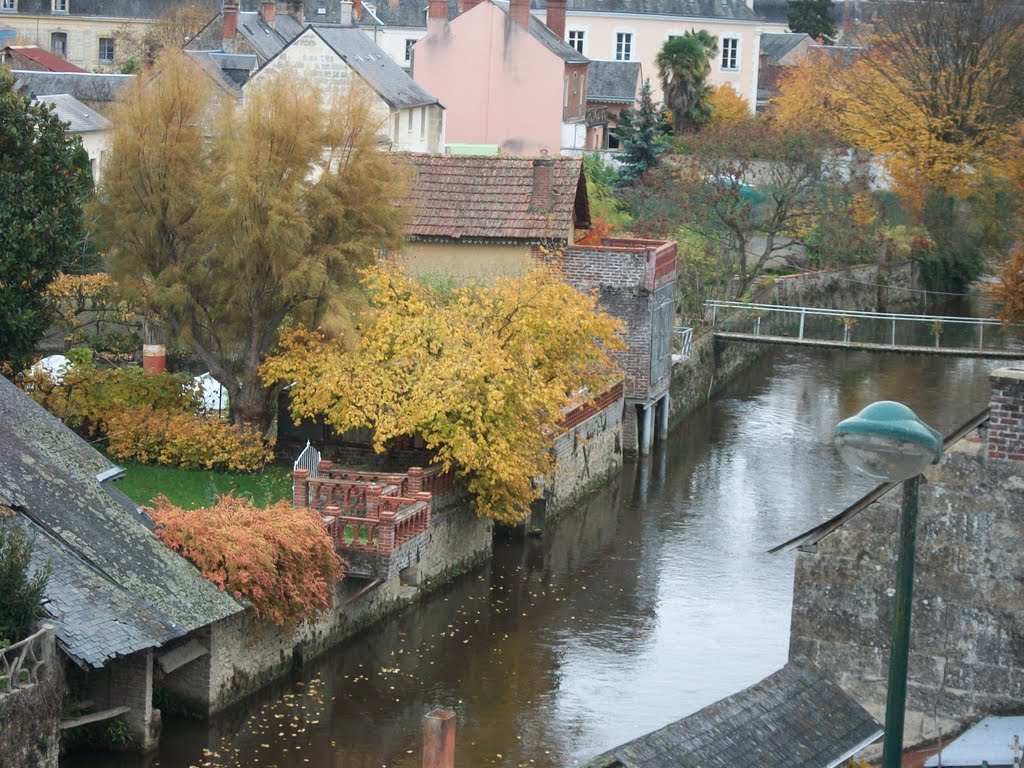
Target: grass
[{"x": 194, "y": 488}]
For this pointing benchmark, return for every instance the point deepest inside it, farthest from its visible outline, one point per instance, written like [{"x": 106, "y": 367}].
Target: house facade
[
  {"x": 612, "y": 86},
  {"x": 92, "y": 128},
  {"x": 506, "y": 79},
  {"x": 84, "y": 32}
]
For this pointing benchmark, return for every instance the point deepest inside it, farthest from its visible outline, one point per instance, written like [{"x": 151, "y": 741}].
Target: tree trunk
[{"x": 253, "y": 405}]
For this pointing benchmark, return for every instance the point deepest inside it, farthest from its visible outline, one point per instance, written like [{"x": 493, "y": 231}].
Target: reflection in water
[{"x": 655, "y": 599}]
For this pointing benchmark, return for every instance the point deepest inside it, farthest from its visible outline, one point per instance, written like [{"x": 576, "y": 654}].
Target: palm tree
[{"x": 684, "y": 63}]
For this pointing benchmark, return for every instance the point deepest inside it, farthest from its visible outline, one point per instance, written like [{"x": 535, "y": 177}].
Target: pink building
[{"x": 505, "y": 78}]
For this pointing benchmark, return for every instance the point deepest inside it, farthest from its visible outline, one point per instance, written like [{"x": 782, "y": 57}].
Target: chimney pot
[
  {"x": 519, "y": 12},
  {"x": 556, "y": 17},
  {"x": 437, "y": 10}
]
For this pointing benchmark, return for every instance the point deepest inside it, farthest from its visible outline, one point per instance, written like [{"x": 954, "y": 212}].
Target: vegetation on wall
[
  {"x": 279, "y": 558},
  {"x": 21, "y": 588},
  {"x": 483, "y": 374}
]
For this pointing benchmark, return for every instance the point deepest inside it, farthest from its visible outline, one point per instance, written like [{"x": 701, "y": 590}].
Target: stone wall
[
  {"x": 587, "y": 455},
  {"x": 128, "y": 682},
  {"x": 245, "y": 654},
  {"x": 29, "y": 716},
  {"x": 967, "y": 629}
]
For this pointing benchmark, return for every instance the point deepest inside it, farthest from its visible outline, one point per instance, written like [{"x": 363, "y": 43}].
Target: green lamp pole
[{"x": 887, "y": 441}]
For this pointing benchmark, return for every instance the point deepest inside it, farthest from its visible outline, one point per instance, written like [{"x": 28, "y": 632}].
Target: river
[{"x": 653, "y": 600}]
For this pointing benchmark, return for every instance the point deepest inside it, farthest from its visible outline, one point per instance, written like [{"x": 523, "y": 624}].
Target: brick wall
[
  {"x": 1006, "y": 427},
  {"x": 967, "y": 623}
]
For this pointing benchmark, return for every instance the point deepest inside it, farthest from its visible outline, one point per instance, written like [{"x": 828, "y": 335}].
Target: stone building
[
  {"x": 967, "y": 628},
  {"x": 121, "y": 603}
]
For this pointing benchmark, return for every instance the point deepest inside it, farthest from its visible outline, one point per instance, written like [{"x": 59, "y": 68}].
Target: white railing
[
  {"x": 682, "y": 343},
  {"x": 936, "y": 325},
  {"x": 21, "y": 663}
]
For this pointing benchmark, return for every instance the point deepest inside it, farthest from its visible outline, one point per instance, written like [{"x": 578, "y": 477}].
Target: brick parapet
[{"x": 1006, "y": 423}]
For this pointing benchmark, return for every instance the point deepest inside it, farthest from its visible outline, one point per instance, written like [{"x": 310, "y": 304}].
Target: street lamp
[{"x": 887, "y": 441}]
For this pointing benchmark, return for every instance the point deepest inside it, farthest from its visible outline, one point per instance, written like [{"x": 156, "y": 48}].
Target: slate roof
[
  {"x": 86, "y": 87},
  {"x": 115, "y": 588},
  {"x": 613, "y": 81},
  {"x": 704, "y": 9},
  {"x": 773, "y": 11},
  {"x": 474, "y": 198},
  {"x": 50, "y": 61},
  {"x": 794, "y": 718},
  {"x": 131, "y": 9},
  {"x": 79, "y": 117},
  {"x": 776, "y": 45},
  {"x": 543, "y": 34},
  {"x": 379, "y": 70},
  {"x": 211, "y": 66}
]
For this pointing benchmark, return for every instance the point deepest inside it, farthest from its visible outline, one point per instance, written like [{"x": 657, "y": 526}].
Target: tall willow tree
[{"x": 229, "y": 220}]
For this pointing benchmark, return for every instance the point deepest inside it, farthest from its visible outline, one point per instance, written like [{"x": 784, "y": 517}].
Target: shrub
[
  {"x": 186, "y": 440},
  {"x": 87, "y": 395},
  {"x": 279, "y": 558},
  {"x": 21, "y": 595}
]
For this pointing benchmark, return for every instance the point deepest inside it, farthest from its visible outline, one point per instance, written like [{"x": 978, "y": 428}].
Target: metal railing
[
  {"x": 682, "y": 343},
  {"x": 886, "y": 328}
]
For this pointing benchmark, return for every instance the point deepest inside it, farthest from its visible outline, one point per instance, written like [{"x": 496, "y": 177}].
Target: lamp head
[{"x": 887, "y": 441}]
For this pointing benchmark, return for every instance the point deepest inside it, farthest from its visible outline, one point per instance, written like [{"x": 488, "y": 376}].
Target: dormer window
[{"x": 60, "y": 6}]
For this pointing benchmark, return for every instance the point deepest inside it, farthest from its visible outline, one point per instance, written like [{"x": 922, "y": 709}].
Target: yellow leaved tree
[
  {"x": 483, "y": 373},
  {"x": 727, "y": 106}
]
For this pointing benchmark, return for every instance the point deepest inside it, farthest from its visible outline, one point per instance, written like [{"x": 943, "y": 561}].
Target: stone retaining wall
[{"x": 244, "y": 655}]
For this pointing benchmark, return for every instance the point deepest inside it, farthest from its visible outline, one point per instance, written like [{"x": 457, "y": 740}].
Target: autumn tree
[
  {"x": 279, "y": 558},
  {"x": 813, "y": 17},
  {"x": 44, "y": 180},
  {"x": 684, "y": 63},
  {"x": 1009, "y": 287},
  {"x": 228, "y": 220},
  {"x": 170, "y": 31},
  {"x": 727, "y": 106},
  {"x": 483, "y": 373}
]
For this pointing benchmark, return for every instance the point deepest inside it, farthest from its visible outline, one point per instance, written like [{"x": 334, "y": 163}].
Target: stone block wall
[
  {"x": 967, "y": 625},
  {"x": 587, "y": 454},
  {"x": 129, "y": 682},
  {"x": 852, "y": 288}
]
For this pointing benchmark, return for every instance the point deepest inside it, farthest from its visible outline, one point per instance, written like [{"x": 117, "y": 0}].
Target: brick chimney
[
  {"x": 296, "y": 9},
  {"x": 541, "y": 193},
  {"x": 556, "y": 17},
  {"x": 358, "y": 5},
  {"x": 1006, "y": 425},
  {"x": 437, "y": 14},
  {"x": 468, "y": 5},
  {"x": 230, "y": 20},
  {"x": 268, "y": 12},
  {"x": 519, "y": 12}
]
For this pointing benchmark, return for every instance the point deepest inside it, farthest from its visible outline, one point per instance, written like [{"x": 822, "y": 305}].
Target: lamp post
[{"x": 887, "y": 441}]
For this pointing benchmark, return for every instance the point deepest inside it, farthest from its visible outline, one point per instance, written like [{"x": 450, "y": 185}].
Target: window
[
  {"x": 8, "y": 5},
  {"x": 730, "y": 54},
  {"x": 60, "y": 6},
  {"x": 409, "y": 43},
  {"x": 423, "y": 122},
  {"x": 576, "y": 39},
  {"x": 623, "y": 46},
  {"x": 59, "y": 43},
  {"x": 408, "y": 120},
  {"x": 106, "y": 49}
]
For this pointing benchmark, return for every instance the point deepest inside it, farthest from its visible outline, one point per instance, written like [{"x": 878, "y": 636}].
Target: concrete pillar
[
  {"x": 663, "y": 409},
  {"x": 646, "y": 430},
  {"x": 630, "y": 441},
  {"x": 439, "y": 739}
]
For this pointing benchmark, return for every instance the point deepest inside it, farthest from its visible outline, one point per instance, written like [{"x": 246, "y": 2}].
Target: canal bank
[{"x": 651, "y": 601}]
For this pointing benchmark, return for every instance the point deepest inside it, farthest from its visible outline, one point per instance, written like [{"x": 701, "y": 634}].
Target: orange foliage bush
[
  {"x": 185, "y": 440},
  {"x": 279, "y": 558},
  {"x": 1010, "y": 287}
]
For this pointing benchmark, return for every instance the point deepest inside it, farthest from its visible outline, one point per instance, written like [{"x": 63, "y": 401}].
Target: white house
[{"x": 92, "y": 127}]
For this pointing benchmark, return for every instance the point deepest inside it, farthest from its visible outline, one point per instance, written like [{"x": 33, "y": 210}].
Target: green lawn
[{"x": 194, "y": 488}]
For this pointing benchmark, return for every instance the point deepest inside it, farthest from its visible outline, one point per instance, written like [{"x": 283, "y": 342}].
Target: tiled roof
[
  {"x": 79, "y": 117},
  {"x": 472, "y": 197},
  {"x": 110, "y": 557},
  {"x": 379, "y": 70},
  {"x": 613, "y": 81},
  {"x": 86, "y": 86},
  {"x": 794, "y": 718},
  {"x": 51, "y": 61}
]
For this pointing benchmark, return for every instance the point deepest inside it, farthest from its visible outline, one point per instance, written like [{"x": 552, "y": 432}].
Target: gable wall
[{"x": 499, "y": 85}]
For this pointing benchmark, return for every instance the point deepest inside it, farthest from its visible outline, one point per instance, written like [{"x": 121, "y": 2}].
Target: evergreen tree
[
  {"x": 44, "y": 179},
  {"x": 813, "y": 17},
  {"x": 640, "y": 135}
]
